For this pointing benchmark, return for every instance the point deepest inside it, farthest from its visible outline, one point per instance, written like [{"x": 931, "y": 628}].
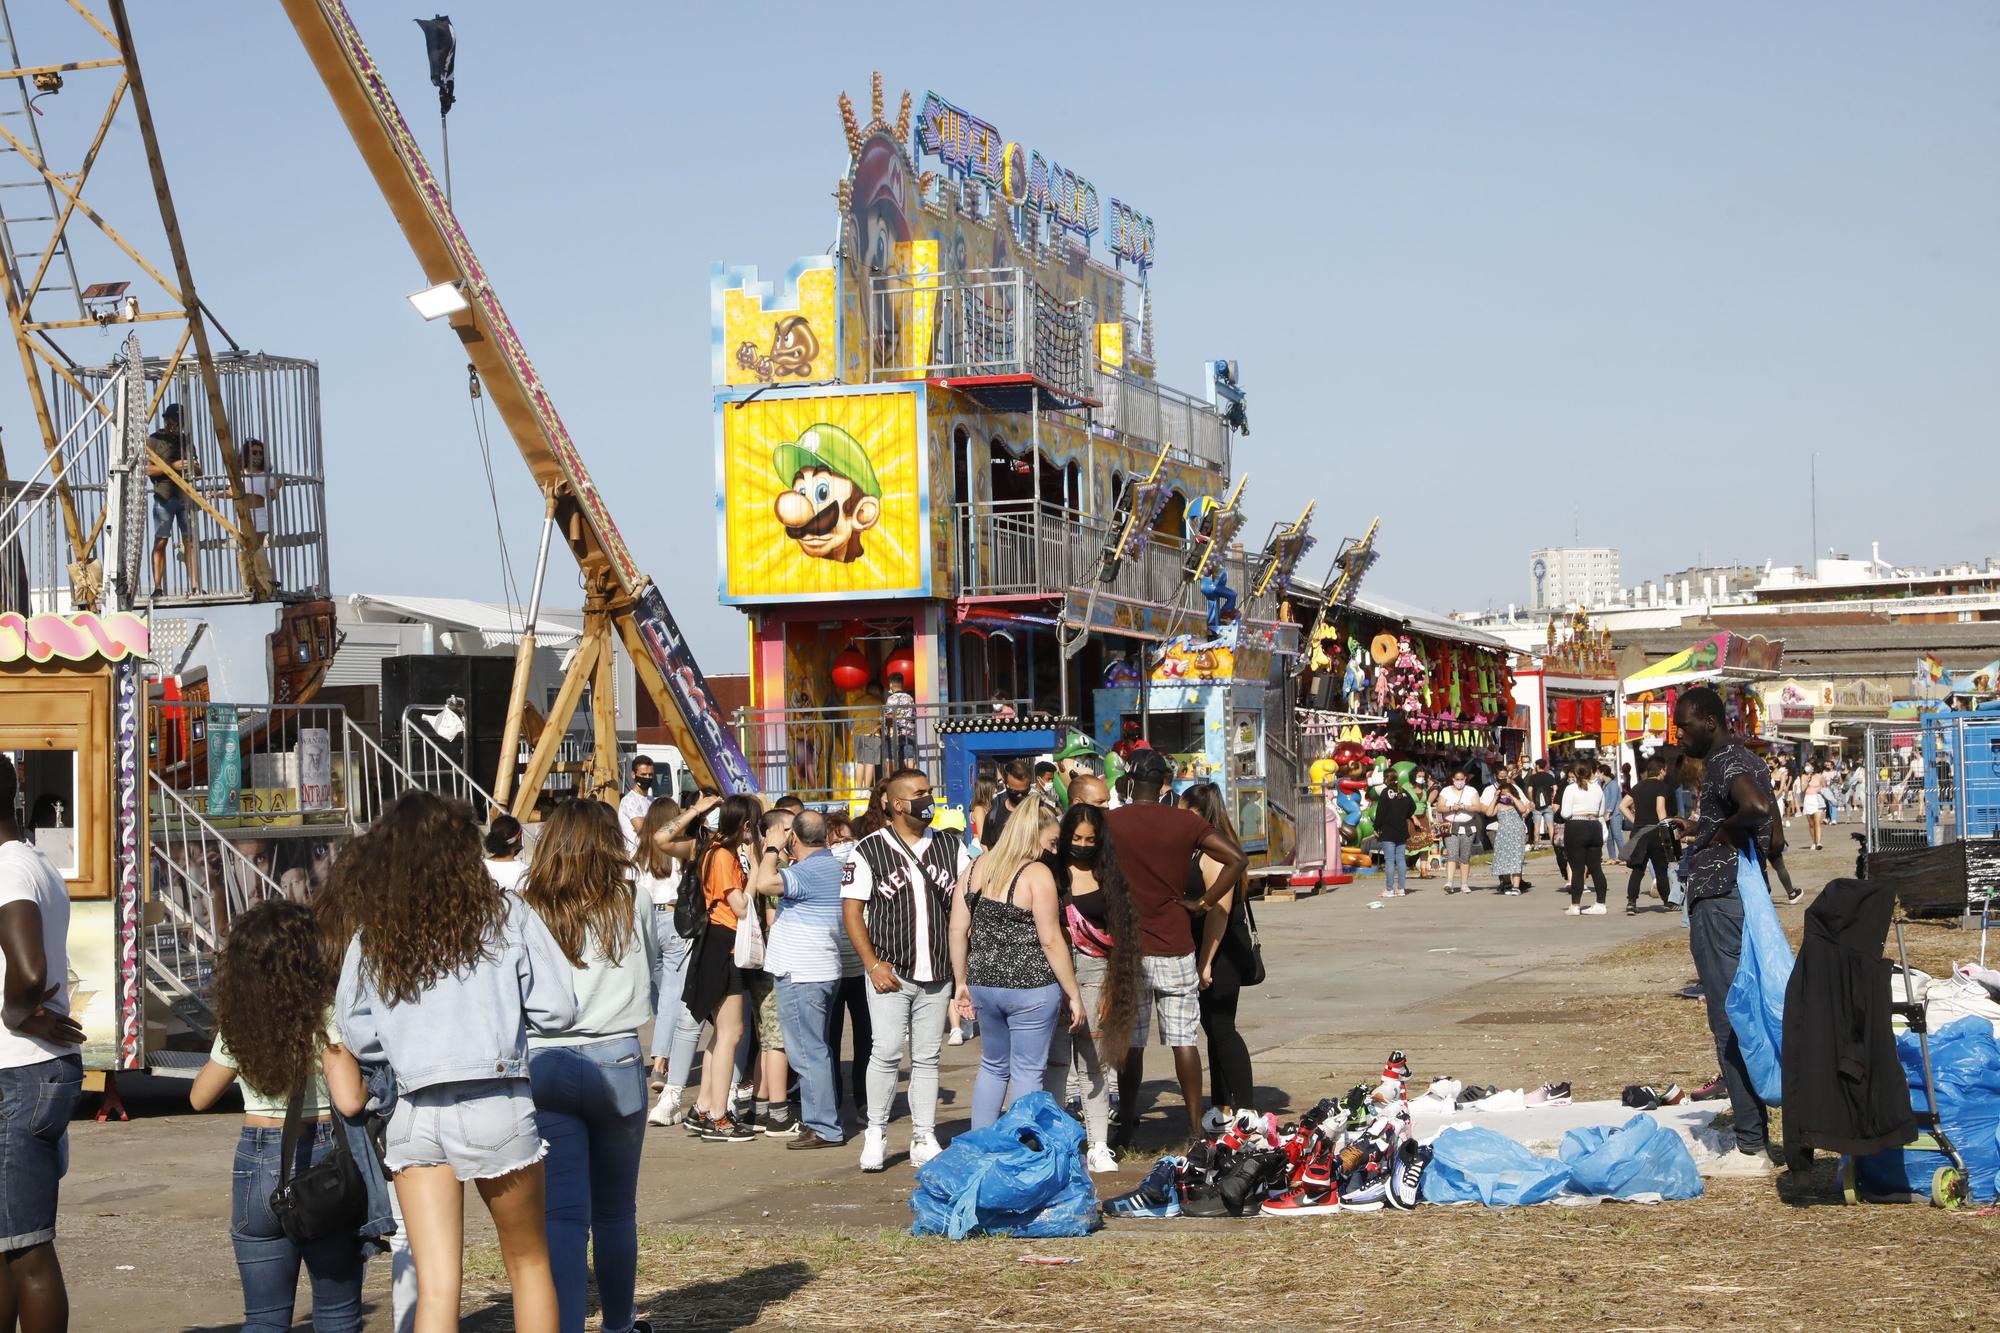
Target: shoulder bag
[
  {"x": 328, "y": 1198},
  {"x": 691, "y": 898}
]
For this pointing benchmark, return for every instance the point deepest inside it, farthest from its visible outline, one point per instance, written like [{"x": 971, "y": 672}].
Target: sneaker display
[
  {"x": 1245, "y": 1182},
  {"x": 1710, "y": 1091},
  {"x": 1640, "y": 1097},
  {"x": 1406, "y": 1180},
  {"x": 1202, "y": 1201},
  {"x": 1549, "y": 1094},
  {"x": 1100, "y": 1160},
  {"x": 727, "y": 1129},
  {"x": 1672, "y": 1095},
  {"x": 874, "y": 1148},
  {"x": 1158, "y": 1195},
  {"x": 1473, "y": 1095},
  {"x": 1513, "y": 1099},
  {"x": 1313, "y": 1196},
  {"x": 923, "y": 1147},
  {"x": 667, "y": 1110},
  {"x": 1441, "y": 1095}
]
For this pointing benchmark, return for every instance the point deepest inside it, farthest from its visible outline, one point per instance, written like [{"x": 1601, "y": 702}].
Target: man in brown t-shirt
[{"x": 1156, "y": 846}]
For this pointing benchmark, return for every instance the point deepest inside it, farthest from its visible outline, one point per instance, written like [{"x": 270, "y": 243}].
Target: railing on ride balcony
[
  {"x": 837, "y": 754},
  {"x": 1147, "y": 414},
  {"x": 273, "y": 754},
  {"x": 1018, "y": 548},
  {"x": 979, "y": 322}
]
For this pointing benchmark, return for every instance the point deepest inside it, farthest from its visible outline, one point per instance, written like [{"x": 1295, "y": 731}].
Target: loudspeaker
[{"x": 427, "y": 681}]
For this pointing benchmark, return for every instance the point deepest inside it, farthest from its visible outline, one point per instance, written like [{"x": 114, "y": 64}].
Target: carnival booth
[
  {"x": 72, "y": 720},
  {"x": 1579, "y": 703},
  {"x": 1736, "y": 666}
]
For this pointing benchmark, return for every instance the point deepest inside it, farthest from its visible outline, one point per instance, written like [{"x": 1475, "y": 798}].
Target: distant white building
[{"x": 1561, "y": 577}]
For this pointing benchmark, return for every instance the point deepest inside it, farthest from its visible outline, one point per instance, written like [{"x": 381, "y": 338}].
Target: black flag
[{"x": 442, "y": 45}]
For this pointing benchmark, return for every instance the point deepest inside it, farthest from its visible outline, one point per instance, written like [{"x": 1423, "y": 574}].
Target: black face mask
[
  {"x": 643, "y": 782},
  {"x": 1084, "y": 856},
  {"x": 921, "y": 811}
]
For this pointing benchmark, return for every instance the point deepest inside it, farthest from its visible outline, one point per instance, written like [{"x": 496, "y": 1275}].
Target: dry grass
[{"x": 1741, "y": 1258}]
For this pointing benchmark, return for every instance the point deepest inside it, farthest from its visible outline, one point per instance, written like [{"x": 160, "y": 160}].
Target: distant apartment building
[{"x": 1561, "y": 577}]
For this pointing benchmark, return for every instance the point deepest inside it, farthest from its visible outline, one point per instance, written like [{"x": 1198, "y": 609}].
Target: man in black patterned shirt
[{"x": 1734, "y": 813}]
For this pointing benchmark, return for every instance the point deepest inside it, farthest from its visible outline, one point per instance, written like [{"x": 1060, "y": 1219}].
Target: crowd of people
[{"x": 458, "y": 1006}]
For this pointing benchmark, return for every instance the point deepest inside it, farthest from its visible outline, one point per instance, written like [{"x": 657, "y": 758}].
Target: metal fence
[
  {"x": 1961, "y": 777},
  {"x": 1147, "y": 414},
  {"x": 1025, "y": 548},
  {"x": 35, "y": 546},
  {"x": 1893, "y": 806},
  {"x": 837, "y": 754},
  {"x": 979, "y": 322},
  {"x": 294, "y": 765}
]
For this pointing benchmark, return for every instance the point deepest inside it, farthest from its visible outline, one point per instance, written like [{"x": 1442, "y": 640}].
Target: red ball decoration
[
  {"x": 850, "y": 669},
  {"x": 902, "y": 663}
]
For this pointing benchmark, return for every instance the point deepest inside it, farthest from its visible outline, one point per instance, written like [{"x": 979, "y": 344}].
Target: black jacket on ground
[{"x": 1845, "y": 1090}]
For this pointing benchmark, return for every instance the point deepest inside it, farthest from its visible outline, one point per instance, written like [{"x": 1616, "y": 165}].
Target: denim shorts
[
  {"x": 1169, "y": 986},
  {"x": 36, "y": 1102},
  {"x": 171, "y": 513},
  {"x": 480, "y": 1130}
]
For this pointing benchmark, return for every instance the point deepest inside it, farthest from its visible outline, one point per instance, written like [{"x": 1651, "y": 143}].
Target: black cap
[{"x": 1150, "y": 766}]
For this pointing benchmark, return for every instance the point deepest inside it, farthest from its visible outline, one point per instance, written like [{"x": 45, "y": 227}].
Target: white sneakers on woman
[
  {"x": 667, "y": 1110},
  {"x": 874, "y": 1149},
  {"x": 1101, "y": 1160},
  {"x": 923, "y": 1147}
]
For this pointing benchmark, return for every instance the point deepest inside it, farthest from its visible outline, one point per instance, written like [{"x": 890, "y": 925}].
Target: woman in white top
[
  {"x": 1583, "y": 838},
  {"x": 1458, "y": 807},
  {"x": 589, "y": 1080},
  {"x": 503, "y": 852},
  {"x": 1815, "y": 800}
]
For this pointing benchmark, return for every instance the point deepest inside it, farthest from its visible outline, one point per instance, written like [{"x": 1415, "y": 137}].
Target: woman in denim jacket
[
  {"x": 443, "y": 979},
  {"x": 590, "y": 1079},
  {"x": 275, "y": 1034}
]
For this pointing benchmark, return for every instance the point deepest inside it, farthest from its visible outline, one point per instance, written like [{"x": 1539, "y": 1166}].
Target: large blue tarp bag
[
  {"x": 1479, "y": 1165},
  {"x": 1641, "y": 1158},
  {"x": 1965, "y": 1059},
  {"x": 1023, "y": 1175},
  {"x": 1756, "y": 1000}
]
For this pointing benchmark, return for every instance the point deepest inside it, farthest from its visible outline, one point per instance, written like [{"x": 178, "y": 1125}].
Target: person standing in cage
[
  {"x": 168, "y": 455},
  {"x": 260, "y": 487}
]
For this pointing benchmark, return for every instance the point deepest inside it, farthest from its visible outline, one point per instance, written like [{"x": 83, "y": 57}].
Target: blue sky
[{"x": 1494, "y": 272}]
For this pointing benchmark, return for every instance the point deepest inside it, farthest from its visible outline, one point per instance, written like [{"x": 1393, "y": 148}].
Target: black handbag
[
  {"x": 690, "y": 901},
  {"x": 328, "y": 1198},
  {"x": 1252, "y": 965}
]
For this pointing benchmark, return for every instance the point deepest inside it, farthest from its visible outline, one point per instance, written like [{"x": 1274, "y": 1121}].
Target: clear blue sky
[{"x": 1485, "y": 266}]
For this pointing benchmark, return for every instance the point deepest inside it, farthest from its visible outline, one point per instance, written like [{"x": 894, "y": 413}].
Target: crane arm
[{"x": 613, "y": 582}]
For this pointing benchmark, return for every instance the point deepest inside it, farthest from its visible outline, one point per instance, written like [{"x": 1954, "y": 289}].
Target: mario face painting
[{"x": 834, "y": 495}]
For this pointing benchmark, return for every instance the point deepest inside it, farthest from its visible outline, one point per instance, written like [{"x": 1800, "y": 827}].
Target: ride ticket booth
[{"x": 71, "y": 722}]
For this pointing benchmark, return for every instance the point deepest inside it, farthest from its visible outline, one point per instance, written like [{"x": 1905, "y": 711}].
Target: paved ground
[{"x": 1493, "y": 989}]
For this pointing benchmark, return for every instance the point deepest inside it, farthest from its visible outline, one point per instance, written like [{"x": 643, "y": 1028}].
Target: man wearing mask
[
  {"x": 1017, "y": 785},
  {"x": 897, "y": 895},
  {"x": 633, "y": 805}
]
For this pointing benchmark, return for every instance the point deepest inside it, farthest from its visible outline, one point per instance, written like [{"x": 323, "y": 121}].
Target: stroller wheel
[
  {"x": 1948, "y": 1188},
  {"x": 1850, "y": 1181}
]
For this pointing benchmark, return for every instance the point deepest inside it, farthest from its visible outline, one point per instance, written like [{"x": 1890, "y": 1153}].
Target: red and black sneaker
[
  {"x": 1713, "y": 1090},
  {"x": 696, "y": 1122},
  {"x": 1313, "y": 1196}
]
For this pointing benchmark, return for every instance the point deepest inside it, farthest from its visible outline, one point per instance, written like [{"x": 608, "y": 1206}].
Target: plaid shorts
[{"x": 1169, "y": 985}]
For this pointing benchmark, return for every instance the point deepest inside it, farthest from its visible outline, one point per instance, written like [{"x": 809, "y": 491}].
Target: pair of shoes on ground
[
  {"x": 1645, "y": 1097},
  {"x": 875, "y": 1148},
  {"x": 1574, "y": 909}
]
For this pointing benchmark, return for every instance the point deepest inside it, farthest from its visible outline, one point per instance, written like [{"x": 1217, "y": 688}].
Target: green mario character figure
[{"x": 834, "y": 495}]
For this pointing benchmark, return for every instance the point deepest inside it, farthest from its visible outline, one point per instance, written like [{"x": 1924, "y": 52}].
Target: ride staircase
[{"x": 207, "y": 868}]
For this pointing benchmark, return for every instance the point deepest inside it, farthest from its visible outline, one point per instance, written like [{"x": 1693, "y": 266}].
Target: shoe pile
[
  {"x": 1645, "y": 1097},
  {"x": 1352, "y": 1154}
]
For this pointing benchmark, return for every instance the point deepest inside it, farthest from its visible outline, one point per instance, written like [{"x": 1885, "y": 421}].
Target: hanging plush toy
[
  {"x": 1221, "y": 598},
  {"x": 1354, "y": 687},
  {"x": 1407, "y": 680}
]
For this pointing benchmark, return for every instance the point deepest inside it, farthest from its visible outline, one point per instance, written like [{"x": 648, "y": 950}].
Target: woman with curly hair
[
  {"x": 275, "y": 1035},
  {"x": 1224, "y": 955},
  {"x": 589, "y": 1079},
  {"x": 1103, "y": 928},
  {"x": 442, "y": 980}
]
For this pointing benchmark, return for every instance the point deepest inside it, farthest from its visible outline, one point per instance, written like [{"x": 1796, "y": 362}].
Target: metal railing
[
  {"x": 836, "y": 754},
  {"x": 1016, "y": 548},
  {"x": 1893, "y": 808},
  {"x": 433, "y": 766},
  {"x": 277, "y": 778},
  {"x": 1146, "y": 414},
  {"x": 35, "y": 550},
  {"x": 978, "y": 322}
]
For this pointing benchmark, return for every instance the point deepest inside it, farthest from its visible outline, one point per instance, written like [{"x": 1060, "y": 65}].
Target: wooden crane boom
[{"x": 617, "y": 596}]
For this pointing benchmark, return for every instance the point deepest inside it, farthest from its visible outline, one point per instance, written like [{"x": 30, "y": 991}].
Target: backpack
[{"x": 690, "y": 900}]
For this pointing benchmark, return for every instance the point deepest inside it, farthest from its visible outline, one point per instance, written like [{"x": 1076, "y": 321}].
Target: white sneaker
[
  {"x": 1100, "y": 1160},
  {"x": 874, "y": 1148},
  {"x": 923, "y": 1147},
  {"x": 957, "y": 1037},
  {"x": 667, "y": 1110},
  {"x": 1513, "y": 1099},
  {"x": 1572, "y": 910},
  {"x": 1442, "y": 1095},
  {"x": 1595, "y": 909}
]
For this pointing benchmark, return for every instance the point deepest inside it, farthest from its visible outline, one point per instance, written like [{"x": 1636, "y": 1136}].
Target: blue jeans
[
  {"x": 1715, "y": 938},
  {"x": 1614, "y": 836},
  {"x": 268, "y": 1261},
  {"x": 590, "y": 1104},
  {"x": 805, "y": 1011},
  {"x": 1395, "y": 867},
  {"x": 1015, "y": 1029},
  {"x": 675, "y": 1030}
]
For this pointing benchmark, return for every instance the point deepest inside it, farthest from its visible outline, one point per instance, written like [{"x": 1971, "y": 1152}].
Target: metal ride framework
[
  {"x": 618, "y": 598},
  {"x": 40, "y": 266}
]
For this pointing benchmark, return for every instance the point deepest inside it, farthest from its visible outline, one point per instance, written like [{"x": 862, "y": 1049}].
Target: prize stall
[{"x": 1738, "y": 667}]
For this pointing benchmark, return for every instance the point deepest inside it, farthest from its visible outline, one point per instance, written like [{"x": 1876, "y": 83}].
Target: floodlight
[{"x": 447, "y": 298}]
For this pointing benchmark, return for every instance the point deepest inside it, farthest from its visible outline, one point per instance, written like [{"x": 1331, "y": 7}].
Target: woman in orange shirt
[{"x": 714, "y": 987}]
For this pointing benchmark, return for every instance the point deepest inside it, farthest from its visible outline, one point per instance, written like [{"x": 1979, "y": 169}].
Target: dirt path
[{"x": 1507, "y": 991}]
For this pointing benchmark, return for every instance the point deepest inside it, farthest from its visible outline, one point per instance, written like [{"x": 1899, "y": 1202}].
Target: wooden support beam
[
  {"x": 580, "y": 668},
  {"x": 604, "y": 717}
]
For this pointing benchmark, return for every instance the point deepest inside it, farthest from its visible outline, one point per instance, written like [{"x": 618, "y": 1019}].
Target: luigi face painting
[{"x": 834, "y": 495}]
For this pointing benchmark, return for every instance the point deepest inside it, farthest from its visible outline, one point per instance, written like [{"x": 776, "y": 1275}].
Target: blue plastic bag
[
  {"x": 1642, "y": 1156},
  {"x": 1021, "y": 1176},
  {"x": 1756, "y": 1000},
  {"x": 1965, "y": 1059},
  {"x": 1479, "y": 1165}
]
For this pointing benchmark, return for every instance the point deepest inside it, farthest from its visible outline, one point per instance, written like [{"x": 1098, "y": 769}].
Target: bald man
[{"x": 1089, "y": 789}]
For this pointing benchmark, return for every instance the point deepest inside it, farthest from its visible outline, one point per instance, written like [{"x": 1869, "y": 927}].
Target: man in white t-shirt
[
  {"x": 41, "y": 1071},
  {"x": 637, "y": 800}
]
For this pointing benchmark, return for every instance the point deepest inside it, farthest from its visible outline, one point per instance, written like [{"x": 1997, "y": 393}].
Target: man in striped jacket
[{"x": 897, "y": 908}]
